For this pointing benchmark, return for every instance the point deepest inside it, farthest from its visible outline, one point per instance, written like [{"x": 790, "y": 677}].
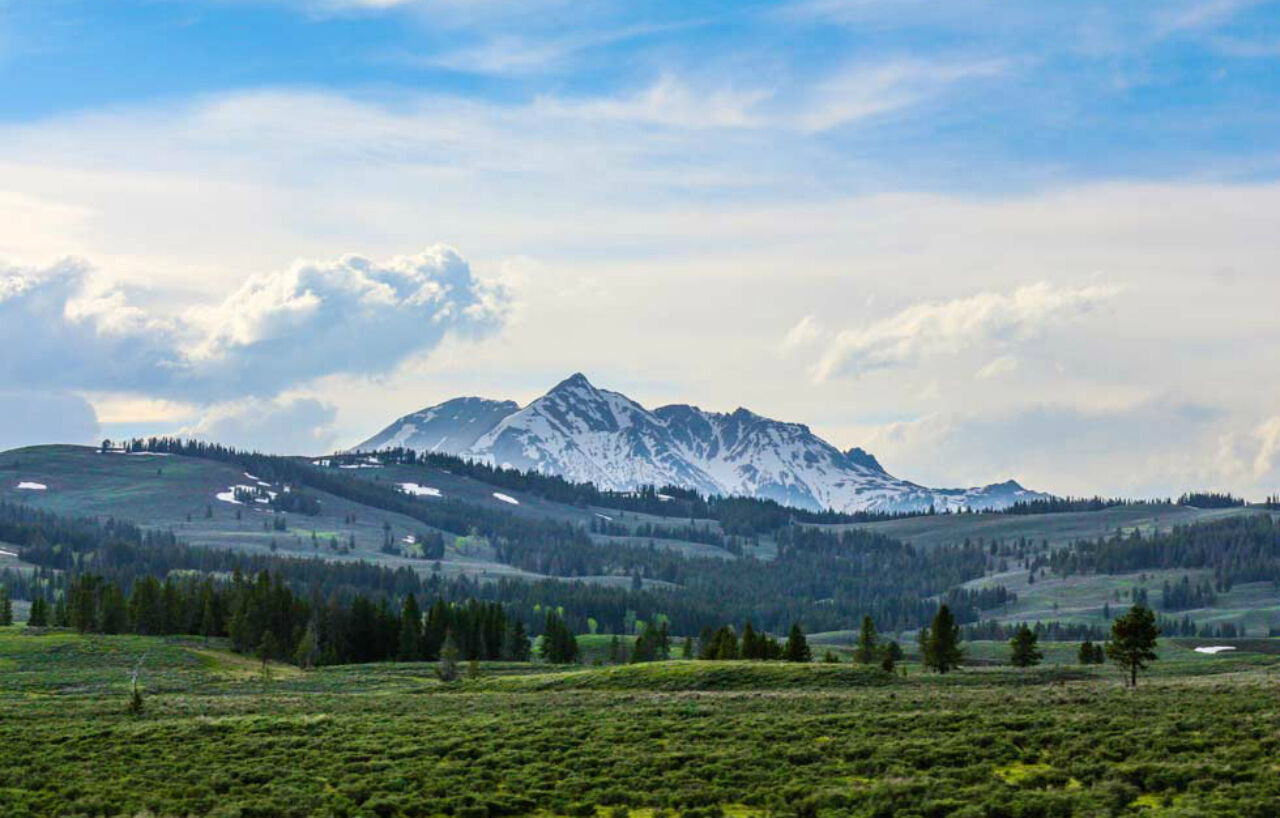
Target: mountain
[{"x": 593, "y": 435}]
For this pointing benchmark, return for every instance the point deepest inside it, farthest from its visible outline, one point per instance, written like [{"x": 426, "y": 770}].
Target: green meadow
[{"x": 218, "y": 736}]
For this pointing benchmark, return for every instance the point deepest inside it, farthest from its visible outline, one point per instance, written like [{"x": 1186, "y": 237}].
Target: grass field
[
  {"x": 1200, "y": 737},
  {"x": 1057, "y": 529}
]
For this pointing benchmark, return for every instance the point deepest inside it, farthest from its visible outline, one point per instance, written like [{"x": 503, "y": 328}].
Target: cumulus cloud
[
  {"x": 947, "y": 327},
  {"x": 283, "y": 426},
  {"x": 30, "y": 418},
  {"x": 353, "y": 315}
]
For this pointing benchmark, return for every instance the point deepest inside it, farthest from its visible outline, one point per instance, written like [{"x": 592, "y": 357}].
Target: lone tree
[
  {"x": 868, "y": 640},
  {"x": 797, "y": 649},
  {"x": 942, "y": 651},
  {"x": 268, "y": 649},
  {"x": 890, "y": 656},
  {"x": 447, "y": 670},
  {"x": 1133, "y": 641},
  {"x": 1023, "y": 648}
]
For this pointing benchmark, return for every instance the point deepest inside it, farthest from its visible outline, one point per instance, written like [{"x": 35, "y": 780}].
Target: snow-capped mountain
[{"x": 587, "y": 434}]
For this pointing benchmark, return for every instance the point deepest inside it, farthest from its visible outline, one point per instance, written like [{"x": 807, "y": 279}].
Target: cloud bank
[
  {"x": 66, "y": 330},
  {"x": 940, "y": 328}
]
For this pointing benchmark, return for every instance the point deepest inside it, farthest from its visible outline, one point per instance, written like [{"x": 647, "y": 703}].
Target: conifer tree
[
  {"x": 6, "y": 607},
  {"x": 410, "y": 638},
  {"x": 1133, "y": 641},
  {"x": 868, "y": 640},
  {"x": 38, "y": 616},
  {"x": 447, "y": 669},
  {"x": 1023, "y": 648},
  {"x": 943, "y": 653},
  {"x": 797, "y": 649}
]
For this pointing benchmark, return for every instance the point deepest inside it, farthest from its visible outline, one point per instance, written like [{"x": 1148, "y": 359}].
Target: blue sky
[
  {"x": 1090, "y": 90},
  {"x": 958, "y": 234}
]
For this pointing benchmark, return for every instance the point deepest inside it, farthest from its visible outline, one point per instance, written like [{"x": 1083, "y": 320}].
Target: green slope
[{"x": 1057, "y": 529}]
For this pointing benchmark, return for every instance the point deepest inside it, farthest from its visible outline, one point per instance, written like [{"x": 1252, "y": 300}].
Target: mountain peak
[
  {"x": 861, "y": 457},
  {"x": 593, "y": 435},
  {"x": 575, "y": 381}
]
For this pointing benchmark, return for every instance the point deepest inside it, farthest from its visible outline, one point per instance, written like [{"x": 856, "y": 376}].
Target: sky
[{"x": 983, "y": 240}]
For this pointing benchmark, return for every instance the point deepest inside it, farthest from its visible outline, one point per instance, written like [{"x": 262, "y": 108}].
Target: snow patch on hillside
[
  {"x": 29, "y": 485},
  {"x": 420, "y": 491}
]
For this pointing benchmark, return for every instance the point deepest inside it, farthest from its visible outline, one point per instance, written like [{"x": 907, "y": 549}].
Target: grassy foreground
[{"x": 694, "y": 739}]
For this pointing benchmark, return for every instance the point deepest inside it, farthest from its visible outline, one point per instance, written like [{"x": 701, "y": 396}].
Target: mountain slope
[{"x": 588, "y": 434}]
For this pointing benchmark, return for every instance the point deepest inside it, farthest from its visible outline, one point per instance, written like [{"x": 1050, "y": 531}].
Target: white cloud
[
  {"x": 67, "y": 330},
  {"x": 943, "y": 328},
  {"x": 1149, "y": 448},
  {"x": 1267, "y": 460},
  {"x": 805, "y": 333},
  {"x": 998, "y": 368},
  {"x": 672, "y": 102},
  {"x": 293, "y": 425},
  {"x": 865, "y": 91}
]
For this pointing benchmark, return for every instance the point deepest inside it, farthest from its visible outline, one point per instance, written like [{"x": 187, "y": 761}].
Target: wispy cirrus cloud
[{"x": 938, "y": 328}]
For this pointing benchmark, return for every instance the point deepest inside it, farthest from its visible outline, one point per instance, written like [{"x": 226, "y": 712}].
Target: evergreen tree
[
  {"x": 308, "y": 650},
  {"x": 686, "y": 652},
  {"x": 38, "y": 616},
  {"x": 890, "y": 655},
  {"x": 943, "y": 653},
  {"x": 515, "y": 646},
  {"x": 559, "y": 645},
  {"x": 6, "y": 607},
  {"x": 447, "y": 669},
  {"x": 1133, "y": 641},
  {"x": 1091, "y": 654},
  {"x": 268, "y": 649},
  {"x": 868, "y": 640},
  {"x": 410, "y": 639},
  {"x": 797, "y": 649},
  {"x": 750, "y": 648},
  {"x": 1023, "y": 648}
]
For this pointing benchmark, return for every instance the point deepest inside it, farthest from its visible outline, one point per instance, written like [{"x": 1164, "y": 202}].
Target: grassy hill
[
  {"x": 692, "y": 739},
  {"x": 181, "y": 494},
  {"x": 1057, "y": 529}
]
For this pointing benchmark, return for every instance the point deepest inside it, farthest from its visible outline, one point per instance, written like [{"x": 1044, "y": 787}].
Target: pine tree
[
  {"x": 268, "y": 649},
  {"x": 868, "y": 639},
  {"x": 515, "y": 647},
  {"x": 38, "y": 616},
  {"x": 797, "y": 649},
  {"x": 1133, "y": 641},
  {"x": 6, "y": 607},
  {"x": 749, "y": 648},
  {"x": 943, "y": 653},
  {"x": 308, "y": 649},
  {"x": 686, "y": 652},
  {"x": 1023, "y": 648},
  {"x": 410, "y": 637},
  {"x": 447, "y": 669}
]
